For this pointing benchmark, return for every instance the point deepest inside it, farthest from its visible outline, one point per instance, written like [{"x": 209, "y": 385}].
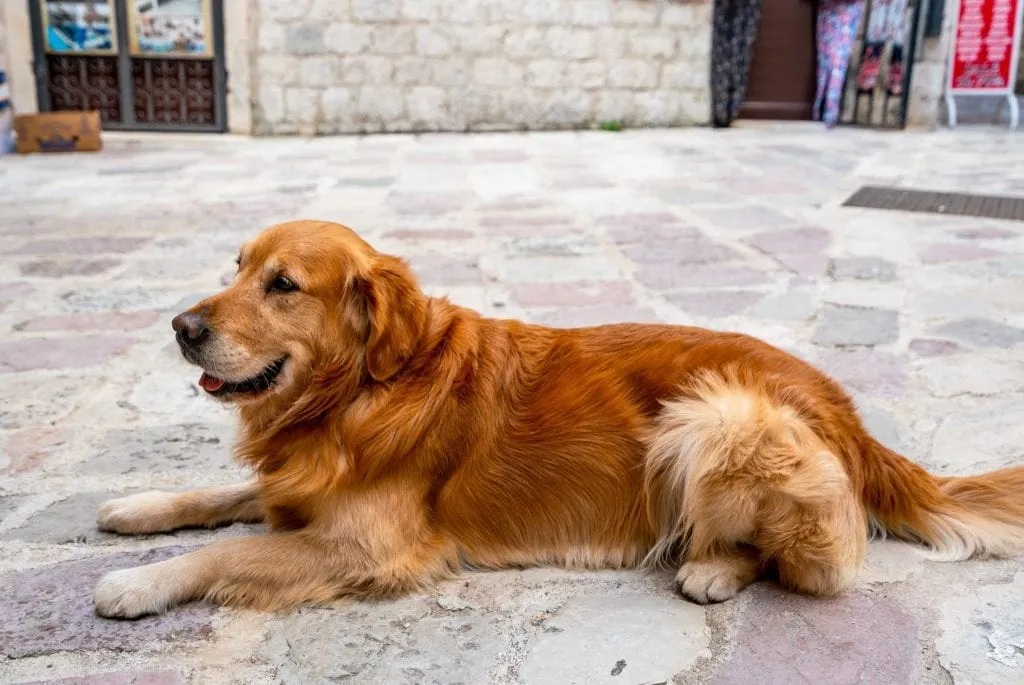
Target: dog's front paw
[
  {"x": 145, "y": 512},
  {"x": 132, "y": 593}
]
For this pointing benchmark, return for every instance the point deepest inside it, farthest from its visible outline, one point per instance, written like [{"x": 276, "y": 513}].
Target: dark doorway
[
  {"x": 782, "y": 70},
  {"x": 144, "y": 64}
]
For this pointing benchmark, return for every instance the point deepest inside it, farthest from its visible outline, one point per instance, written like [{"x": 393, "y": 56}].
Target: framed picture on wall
[
  {"x": 79, "y": 27},
  {"x": 170, "y": 28}
]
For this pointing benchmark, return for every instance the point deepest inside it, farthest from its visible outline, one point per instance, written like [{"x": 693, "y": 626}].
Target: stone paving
[{"x": 921, "y": 316}]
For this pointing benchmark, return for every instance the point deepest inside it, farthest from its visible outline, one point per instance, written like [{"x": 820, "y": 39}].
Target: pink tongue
[{"x": 209, "y": 383}]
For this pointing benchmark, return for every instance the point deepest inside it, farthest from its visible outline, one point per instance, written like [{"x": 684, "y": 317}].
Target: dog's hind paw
[{"x": 715, "y": 580}]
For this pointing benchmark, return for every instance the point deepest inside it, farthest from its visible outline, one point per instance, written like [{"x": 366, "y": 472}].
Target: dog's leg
[
  {"x": 260, "y": 571},
  {"x": 266, "y": 572},
  {"x": 375, "y": 541},
  {"x": 744, "y": 484},
  {"x": 158, "y": 512},
  {"x": 717, "y": 576}
]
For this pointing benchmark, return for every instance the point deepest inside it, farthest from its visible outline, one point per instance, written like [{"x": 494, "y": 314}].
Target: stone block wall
[
  {"x": 348, "y": 66},
  {"x": 16, "y": 54},
  {"x": 3, "y": 40},
  {"x": 928, "y": 85}
]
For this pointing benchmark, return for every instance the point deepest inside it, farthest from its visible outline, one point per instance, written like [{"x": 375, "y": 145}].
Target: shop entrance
[
  {"x": 144, "y": 64},
  {"x": 783, "y": 67}
]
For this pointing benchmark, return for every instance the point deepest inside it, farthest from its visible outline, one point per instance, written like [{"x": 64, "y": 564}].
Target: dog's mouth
[{"x": 259, "y": 383}]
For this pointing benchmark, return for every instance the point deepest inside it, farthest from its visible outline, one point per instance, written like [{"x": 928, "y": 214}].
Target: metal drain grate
[{"x": 953, "y": 204}]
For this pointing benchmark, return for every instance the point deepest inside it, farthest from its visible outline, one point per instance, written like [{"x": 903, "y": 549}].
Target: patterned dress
[
  {"x": 838, "y": 21},
  {"x": 732, "y": 44}
]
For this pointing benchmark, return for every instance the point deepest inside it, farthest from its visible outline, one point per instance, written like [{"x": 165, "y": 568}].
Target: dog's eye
[{"x": 283, "y": 284}]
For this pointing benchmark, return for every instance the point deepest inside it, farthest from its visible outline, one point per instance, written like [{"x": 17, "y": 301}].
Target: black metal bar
[
  {"x": 933, "y": 23},
  {"x": 39, "y": 56},
  {"x": 147, "y": 71},
  {"x": 909, "y": 57},
  {"x": 183, "y": 99},
  {"x": 124, "y": 65},
  {"x": 83, "y": 79},
  {"x": 220, "y": 71}
]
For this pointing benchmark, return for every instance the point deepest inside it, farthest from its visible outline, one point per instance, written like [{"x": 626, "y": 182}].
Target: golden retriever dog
[{"x": 398, "y": 438}]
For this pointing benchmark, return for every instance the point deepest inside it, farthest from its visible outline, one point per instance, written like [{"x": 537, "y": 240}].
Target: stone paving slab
[
  {"x": 857, "y": 638},
  {"x": 921, "y": 316},
  {"x": 49, "y": 609}
]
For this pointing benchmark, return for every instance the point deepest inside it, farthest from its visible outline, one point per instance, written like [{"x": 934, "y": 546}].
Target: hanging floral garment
[
  {"x": 838, "y": 21},
  {"x": 732, "y": 45}
]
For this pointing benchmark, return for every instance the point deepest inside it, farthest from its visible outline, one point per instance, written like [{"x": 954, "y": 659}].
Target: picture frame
[
  {"x": 79, "y": 27},
  {"x": 170, "y": 28}
]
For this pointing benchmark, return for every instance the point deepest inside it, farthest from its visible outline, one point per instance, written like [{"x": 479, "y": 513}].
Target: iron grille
[
  {"x": 89, "y": 82},
  {"x": 180, "y": 92}
]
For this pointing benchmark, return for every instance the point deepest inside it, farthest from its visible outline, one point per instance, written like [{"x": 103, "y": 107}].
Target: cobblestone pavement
[{"x": 921, "y": 316}]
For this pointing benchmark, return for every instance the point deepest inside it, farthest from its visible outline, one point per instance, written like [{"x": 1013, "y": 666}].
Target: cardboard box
[{"x": 58, "y": 132}]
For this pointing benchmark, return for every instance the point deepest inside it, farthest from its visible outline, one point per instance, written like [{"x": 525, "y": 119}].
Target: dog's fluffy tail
[{"x": 959, "y": 518}]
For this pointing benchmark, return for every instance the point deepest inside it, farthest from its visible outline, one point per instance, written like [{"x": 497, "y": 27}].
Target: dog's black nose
[{"x": 190, "y": 327}]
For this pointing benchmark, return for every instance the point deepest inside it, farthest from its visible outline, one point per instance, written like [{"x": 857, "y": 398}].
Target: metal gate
[
  {"x": 900, "y": 51},
  {"x": 144, "y": 64}
]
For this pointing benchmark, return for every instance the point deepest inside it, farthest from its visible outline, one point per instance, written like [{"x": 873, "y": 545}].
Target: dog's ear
[{"x": 396, "y": 308}]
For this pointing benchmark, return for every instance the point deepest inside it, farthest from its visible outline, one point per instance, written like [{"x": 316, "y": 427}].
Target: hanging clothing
[
  {"x": 732, "y": 45},
  {"x": 894, "y": 77},
  {"x": 894, "y": 28},
  {"x": 887, "y": 21},
  {"x": 838, "y": 21},
  {"x": 870, "y": 66}
]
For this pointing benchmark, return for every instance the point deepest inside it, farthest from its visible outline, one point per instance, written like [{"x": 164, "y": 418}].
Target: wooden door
[{"x": 782, "y": 69}]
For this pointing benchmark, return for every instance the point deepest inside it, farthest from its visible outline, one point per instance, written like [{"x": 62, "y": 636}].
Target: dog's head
[{"x": 311, "y": 303}]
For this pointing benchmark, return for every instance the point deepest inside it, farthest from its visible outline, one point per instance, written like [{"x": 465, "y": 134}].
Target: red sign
[{"x": 984, "y": 53}]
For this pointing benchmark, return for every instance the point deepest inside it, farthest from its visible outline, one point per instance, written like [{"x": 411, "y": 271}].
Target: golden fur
[{"x": 406, "y": 438}]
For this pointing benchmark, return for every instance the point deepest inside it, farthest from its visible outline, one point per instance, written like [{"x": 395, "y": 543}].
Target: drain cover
[{"x": 954, "y": 204}]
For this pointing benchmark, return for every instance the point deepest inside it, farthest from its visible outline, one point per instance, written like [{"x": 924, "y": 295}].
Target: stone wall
[
  {"x": 16, "y": 54},
  {"x": 336, "y": 66},
  {"x": 925, "y": 107},
  {"x": 3, "y": 40}
]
